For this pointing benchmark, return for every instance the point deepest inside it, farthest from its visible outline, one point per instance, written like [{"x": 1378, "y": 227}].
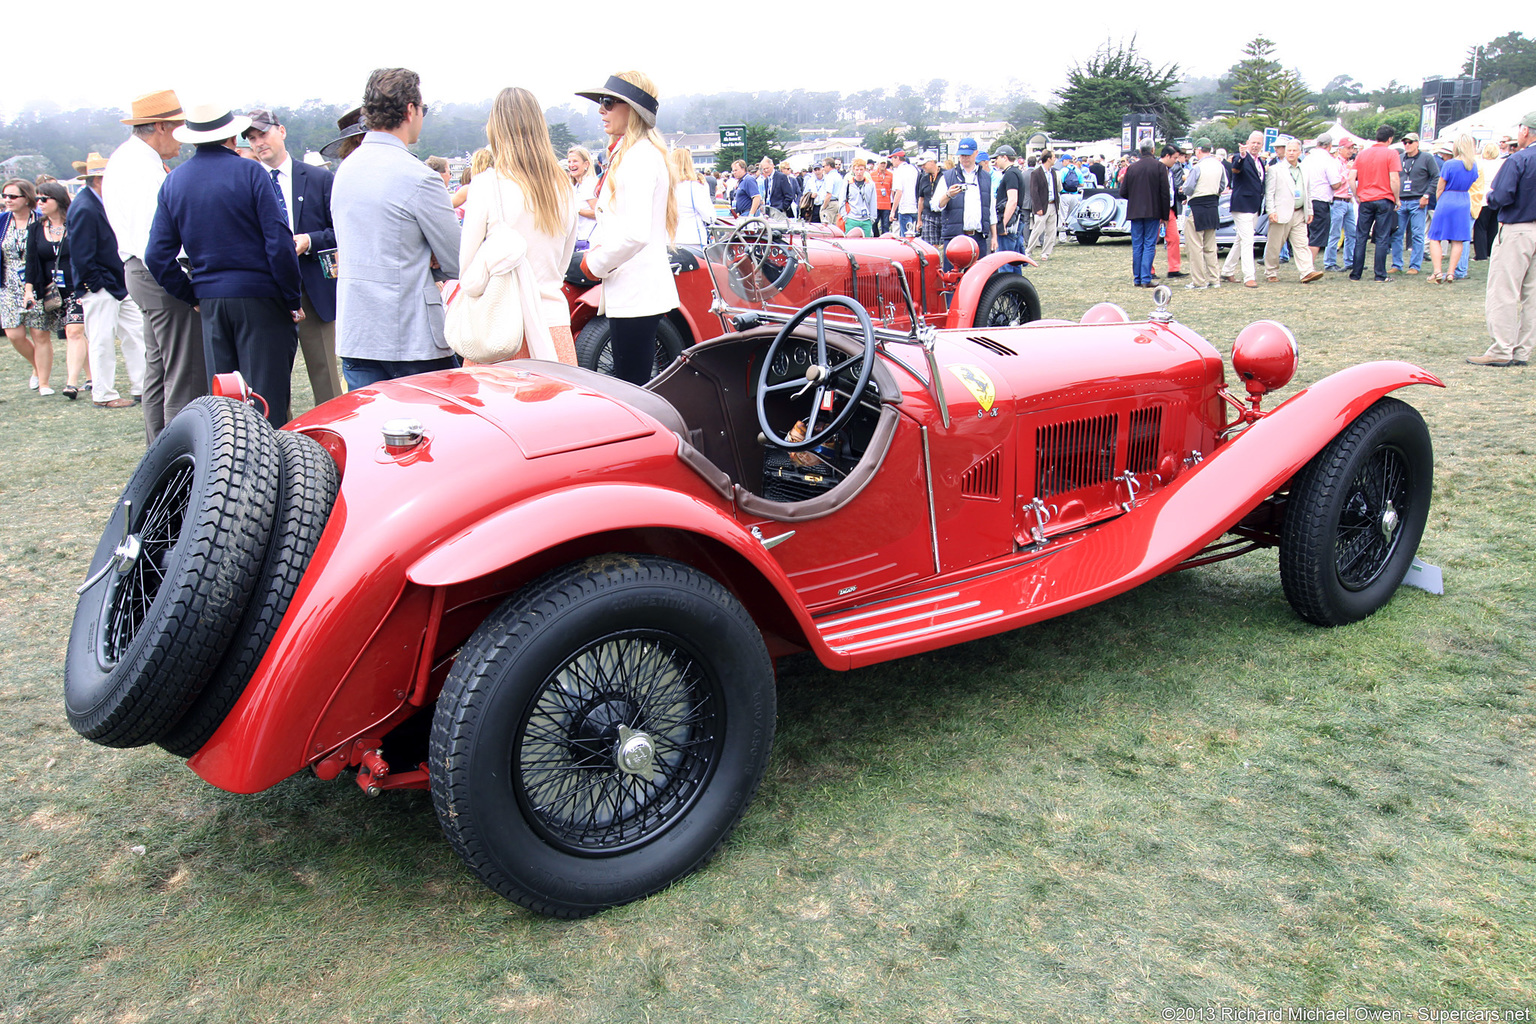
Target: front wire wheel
[
  {"x": 1356, "y": 514},
  {"x": 601, "y": 733}
]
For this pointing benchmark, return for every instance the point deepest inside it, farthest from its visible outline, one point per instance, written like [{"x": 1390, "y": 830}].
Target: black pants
[
  {"x": 1484, "y": 230},
  {"x": 1373, "y": 224},
  {"x": 634, "y": 346},
  {"x": 258, "y": 338}
]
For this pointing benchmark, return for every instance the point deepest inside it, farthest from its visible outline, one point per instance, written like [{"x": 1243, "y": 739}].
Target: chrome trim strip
[
  {"x": 933, "y": 518},
  {"x": 984, "y": 616},
  {"x": 924, "y": 603},
  {"x": 873, "y": 626}
]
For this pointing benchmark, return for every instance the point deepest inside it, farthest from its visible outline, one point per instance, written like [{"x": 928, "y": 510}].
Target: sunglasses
[
  {"x": 607, "y": 103},
  {"x": 7, "y": 195}
]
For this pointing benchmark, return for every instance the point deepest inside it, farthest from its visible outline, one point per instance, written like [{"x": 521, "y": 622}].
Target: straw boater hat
[
  {"x": 210, "y": 123},
  {"x": 93, "y": 166},
  {"x": 642, "y": 102},
  {"x": 156, "y": 106}
]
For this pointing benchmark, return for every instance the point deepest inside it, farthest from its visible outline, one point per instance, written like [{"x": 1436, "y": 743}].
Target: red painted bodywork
[{"x": 520, "y": 473}]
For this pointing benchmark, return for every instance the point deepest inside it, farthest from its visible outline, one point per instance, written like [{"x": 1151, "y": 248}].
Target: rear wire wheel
[
  {"x": 601, "y": 733},
  {"x": 1356, "y": 514}
]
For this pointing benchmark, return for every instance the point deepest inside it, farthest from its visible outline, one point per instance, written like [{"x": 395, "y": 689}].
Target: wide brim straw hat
[
  {"x": 640, "y": 101},
  {"x": 93, "y": 166},
  {"x": 208, "y": 123},
  {"x": 155, "y": 106}
]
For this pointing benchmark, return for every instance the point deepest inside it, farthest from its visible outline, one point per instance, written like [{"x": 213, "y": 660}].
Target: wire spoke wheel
[
  {"x": 618, "y": 743},
  {"x": 1368, "y": 528},
  {"x": 133, "y": 591},
  {"x": 1355, "y": 514}
]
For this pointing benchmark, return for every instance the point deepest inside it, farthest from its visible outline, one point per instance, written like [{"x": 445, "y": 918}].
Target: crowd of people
[{"x": 388, "y": 267}]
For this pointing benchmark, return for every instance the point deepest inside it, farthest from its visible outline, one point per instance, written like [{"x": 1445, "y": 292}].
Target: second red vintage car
[
  {"x": 555, "y": 599},
  {"x": 788, "y": 267}
]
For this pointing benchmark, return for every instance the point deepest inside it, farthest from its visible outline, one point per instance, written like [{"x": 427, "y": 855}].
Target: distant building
[{"x": 704, "y": 147}]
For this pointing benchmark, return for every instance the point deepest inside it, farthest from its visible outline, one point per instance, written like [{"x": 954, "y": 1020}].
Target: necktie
[{"x": 282, "y": 204}]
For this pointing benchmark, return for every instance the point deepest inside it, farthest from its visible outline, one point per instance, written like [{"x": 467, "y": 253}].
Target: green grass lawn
[{"x": 1184, "y": 797}]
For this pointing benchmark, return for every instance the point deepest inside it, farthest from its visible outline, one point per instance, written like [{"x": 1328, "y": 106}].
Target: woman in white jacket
[
  {"x": 695, "y": 208},
  {"x": 636, "y": 215},
  {"x": 525, "y": 190}
]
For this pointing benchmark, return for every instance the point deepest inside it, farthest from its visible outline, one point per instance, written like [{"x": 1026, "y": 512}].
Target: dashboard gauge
[{"x": 781, "y": 364}]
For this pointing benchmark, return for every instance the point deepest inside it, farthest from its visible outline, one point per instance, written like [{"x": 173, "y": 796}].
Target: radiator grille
[
  {"x": 878, "y": 288},
  {"x": 980, "y": 481},
  {"x": 992, "y": 344},
  {"x": 1073, "y": 455},
  {"x": 1146, "y": 431}
]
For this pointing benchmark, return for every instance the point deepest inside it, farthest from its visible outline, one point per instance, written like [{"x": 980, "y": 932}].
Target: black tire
[
  {"x": 147, "y": 638},
  {"x": 525, "y": 737},
  {"x": 1356, "y": 514},
  {"x": 594, "y": 345},
  {"x": 1087, "y": 237},
  {"x": 306, "y": 493},
  {"x": 1008, "y": 300}
]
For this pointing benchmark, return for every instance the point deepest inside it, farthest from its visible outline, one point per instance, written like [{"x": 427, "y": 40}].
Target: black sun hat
[{"x": 642, "y": 102}]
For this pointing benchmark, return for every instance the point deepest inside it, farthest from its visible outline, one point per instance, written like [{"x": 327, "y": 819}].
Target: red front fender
[
  {"x": 1204, "y": 503},
  {"x": 962, "y": 310}
]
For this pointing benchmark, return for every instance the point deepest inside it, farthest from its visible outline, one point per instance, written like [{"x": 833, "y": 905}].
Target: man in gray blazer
[{"x": 392, "y": 219}]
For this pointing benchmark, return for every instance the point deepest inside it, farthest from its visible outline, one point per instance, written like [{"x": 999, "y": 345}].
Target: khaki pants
[
  {"x": 1242, "y": 249},
  {"x": 317, "y": 340},
  {"x": 1295, "y": 232},
  {"x": 1044, "y": 232},
  {"x": 1511, "y": 298},
  {"x": 1200, "y": 253}
]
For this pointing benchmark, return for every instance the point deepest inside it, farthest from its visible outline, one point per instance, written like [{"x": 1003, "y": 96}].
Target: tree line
[{"x": 1117, "y": 78}]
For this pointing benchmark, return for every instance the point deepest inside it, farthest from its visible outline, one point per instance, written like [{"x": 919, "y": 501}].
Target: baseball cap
[
  {"x": 930, "y": 155},
  {"x": 262, "y": 120},
  {"x": 1325, "y": 140},
  {"x": 1007, "y": 151},
  {"x": 983, "y": 155},
  {"x": 1203, "y": 142},
  {"x": 1529, "y": 121},
  {"x": 1411, "y": 137},
  {"x": 967, "y": 147}
]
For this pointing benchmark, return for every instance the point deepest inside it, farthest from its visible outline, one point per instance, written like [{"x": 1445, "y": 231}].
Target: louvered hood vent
[
  {"x": 980, "y": 481},
  {"x": 991, "y": 344},
  {"x": 1073, "y": 455}
]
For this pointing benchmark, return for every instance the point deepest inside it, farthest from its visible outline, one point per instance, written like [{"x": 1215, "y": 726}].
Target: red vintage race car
[
  {"x": 555, "y": 599},
  {"x": 791, "y": 265}
]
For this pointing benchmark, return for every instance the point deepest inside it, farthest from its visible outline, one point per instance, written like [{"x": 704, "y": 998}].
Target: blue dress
[{"x": 1453, "y": 210}]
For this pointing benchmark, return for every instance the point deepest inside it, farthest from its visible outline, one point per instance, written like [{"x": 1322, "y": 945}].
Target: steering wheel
[
  {"x": 750, "y": 249},
  {"x": 820, "y": 380}
]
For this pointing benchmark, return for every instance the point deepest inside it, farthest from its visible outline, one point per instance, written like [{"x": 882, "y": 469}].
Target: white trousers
[
  {"x": 1044, "y": 233},
  {"x": 1242, "y": 249},
  {"x": 106, "y": 320}
]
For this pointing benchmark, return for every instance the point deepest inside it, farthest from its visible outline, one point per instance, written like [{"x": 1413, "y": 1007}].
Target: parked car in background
[{"x": 792, "y": 266}]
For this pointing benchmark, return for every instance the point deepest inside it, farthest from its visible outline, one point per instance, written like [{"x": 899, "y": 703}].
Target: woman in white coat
[
  {"x": 695, "y": 208},
  {"x": 636, "y": 215},
  {"x": 526, "y": 192}
]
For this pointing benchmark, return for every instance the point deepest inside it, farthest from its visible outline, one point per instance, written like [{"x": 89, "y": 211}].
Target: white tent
[
  {"x": 1496, "y": 121},
  {"x": 1342, "y": 134}
]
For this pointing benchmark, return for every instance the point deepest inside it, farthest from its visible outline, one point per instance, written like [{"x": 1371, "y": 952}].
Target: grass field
[{"x": 1182, "y": 798}]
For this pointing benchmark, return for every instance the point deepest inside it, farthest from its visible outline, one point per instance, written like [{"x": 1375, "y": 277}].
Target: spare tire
[
  {"x": 172, "y": 575},
  {"x": 307, "y": 492}
]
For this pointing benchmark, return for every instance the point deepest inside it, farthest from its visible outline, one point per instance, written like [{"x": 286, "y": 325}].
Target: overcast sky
[{"x": 244, "y": 54}]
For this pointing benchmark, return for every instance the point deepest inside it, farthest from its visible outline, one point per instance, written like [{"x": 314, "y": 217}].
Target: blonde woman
[
  {"x": 695, "y": 208},
  {"x": 636, "y": 215},
  {"x": 1453, "y": 207},
  {"x": 578, "y": 164},
  {"x": 477, "y": 163},
  {"x": 1485, "y": 219},
  {"x": 524, "y": 188}
]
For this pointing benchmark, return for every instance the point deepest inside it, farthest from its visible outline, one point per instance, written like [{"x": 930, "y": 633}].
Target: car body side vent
[
  {"x": 991, "y": 345},
  {"x": 981, "y": 480},
  {"x": 1073, "y": 455},
  {"x": 1146, "y": 433}
]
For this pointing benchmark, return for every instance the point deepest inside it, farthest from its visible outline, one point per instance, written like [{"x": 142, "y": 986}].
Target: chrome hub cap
[{"x": 636, "y": 753}]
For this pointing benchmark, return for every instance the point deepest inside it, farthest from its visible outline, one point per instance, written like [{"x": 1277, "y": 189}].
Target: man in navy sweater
[{"x": 224, "y": 210}]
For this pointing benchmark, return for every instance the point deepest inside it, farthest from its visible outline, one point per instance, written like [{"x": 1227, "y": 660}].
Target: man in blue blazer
[
  {"x": 306, "y": 195},
  {"x": 244, "y": 275},
  {"x": 102, "y": 291}
]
